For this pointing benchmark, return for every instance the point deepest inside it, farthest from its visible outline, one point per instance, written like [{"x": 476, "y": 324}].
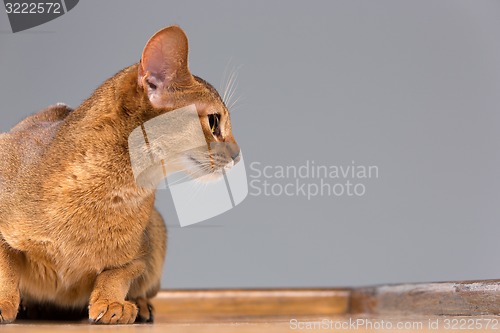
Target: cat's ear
[{"x": 164, "y": 62}]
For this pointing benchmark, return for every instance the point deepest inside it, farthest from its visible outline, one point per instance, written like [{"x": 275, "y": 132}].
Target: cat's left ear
[{"x": 164, "y": 63}]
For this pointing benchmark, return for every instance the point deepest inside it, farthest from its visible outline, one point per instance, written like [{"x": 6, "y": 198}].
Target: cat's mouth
[
  {"x": 206, "y": 171},
  {"x": 195, "y": 161}
]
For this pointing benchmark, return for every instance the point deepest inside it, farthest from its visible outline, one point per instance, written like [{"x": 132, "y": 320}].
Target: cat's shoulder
[
  {"x": 24, "y": 143},
  {"x": 46, "y": 117}
]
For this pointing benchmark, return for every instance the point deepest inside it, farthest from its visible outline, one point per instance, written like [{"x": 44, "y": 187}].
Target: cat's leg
[
  {"x": 107, "y": 302},
  {"x": 120, "y": 295},
  {"x": 10, "y": 272},
  {"x": 147, "y": 286}
]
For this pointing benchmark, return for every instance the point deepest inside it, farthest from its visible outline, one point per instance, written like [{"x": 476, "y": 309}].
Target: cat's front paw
[
  {"x": 112, "y": 312},
  {"x": 146, "y": 310},
  {"x": 8, "y": 312}
]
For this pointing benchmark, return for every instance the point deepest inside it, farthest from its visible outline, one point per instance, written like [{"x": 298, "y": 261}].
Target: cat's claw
[{"x": 106, "y": 312}]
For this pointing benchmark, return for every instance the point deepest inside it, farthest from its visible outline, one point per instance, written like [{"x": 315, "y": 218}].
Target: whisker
[
  {"x": 225, "y": 80},
  {"x": 230, "y": 85},
  {"x": 233, "y": 105}
]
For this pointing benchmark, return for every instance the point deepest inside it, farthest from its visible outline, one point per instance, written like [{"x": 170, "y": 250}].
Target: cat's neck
[
  {"x": 99, "y": 129},
  {"x": 117, "y": 104}
]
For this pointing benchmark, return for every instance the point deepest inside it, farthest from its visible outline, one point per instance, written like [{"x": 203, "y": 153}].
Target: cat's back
[{"x": 22, "y": 146}]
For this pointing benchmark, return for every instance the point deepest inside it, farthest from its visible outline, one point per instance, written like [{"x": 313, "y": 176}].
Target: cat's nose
[
  {"x": 236, "y": 157},
  {"x": 233, "y": 150}
]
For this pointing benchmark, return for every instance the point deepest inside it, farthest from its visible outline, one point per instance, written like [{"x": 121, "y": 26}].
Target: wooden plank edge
[
  {"x": 219, "y": 305},
  {"x": 463, "y": 298}
]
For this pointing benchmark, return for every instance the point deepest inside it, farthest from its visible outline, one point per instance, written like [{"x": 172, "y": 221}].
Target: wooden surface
[
  {"x": 464, "y": 298},
  {"x": 420, "y": 324},
  {"x": 230, "y": 305},
  {"x": 471, "y": 305},
  {"x": 469, "y": 298}
]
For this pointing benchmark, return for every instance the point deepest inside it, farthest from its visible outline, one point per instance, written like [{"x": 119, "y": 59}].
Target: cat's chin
[{"x": 208, "y": 178}]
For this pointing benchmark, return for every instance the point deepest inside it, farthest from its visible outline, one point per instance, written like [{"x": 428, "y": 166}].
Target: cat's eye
[
  {"x": 214, "y": 122},
  {"x": 152, "y": 86}
]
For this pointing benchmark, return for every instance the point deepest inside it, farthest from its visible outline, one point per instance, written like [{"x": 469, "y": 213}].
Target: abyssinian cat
[{"x": 76, "y": 229}]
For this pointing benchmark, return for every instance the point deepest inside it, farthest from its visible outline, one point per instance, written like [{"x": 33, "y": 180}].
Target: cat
[{"x": 76, "y": 230}]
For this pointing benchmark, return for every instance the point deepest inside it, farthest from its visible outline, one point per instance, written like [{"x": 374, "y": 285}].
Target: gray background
[{"x": 410, "y": 86}]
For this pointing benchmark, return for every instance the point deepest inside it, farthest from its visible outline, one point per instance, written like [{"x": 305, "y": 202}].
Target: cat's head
[{"x": 166, "y": 81}]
